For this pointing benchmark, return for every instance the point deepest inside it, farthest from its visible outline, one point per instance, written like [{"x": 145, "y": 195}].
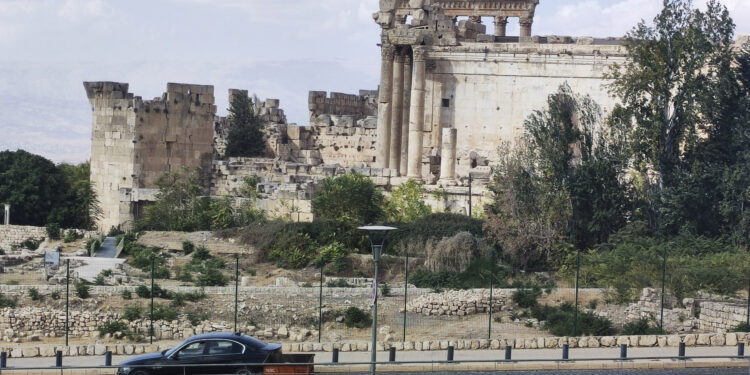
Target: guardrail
[{"x": 392, "y": 365}]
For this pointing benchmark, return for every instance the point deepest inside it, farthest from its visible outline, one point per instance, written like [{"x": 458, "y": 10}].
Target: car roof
[{"x": 247, "y": 340}]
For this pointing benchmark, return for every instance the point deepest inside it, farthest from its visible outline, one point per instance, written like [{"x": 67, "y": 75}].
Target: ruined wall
[
  {"x": 135, "y": 141},
  {"x": 487, "y": 90},
  {"x": 112, "y": 147},
  {"x": 360, "y": 106},
  {"x": 11, "y": 235}
]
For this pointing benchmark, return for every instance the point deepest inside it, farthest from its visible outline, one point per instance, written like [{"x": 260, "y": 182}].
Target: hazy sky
[{"x": 274, "y": 48}]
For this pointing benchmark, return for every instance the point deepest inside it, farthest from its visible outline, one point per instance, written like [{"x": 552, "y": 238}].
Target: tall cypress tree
[{"x": 245, "y": 133}]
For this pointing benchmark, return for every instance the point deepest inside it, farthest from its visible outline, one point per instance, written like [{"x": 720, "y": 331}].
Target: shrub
[
  {"x": 338, "y": 283},
  {"x": 35, "y": 295},
  {"x": 527, "y": 298},
  {"x": 55, "y": 295},
  {"x": 166, "y": 313},
  {"x": 143, "y": 291},
  {"x": 115, "y": 231},
  {"x": 211, "y": 276},
  {"x": 742, "y": 327},
  {"x": 99, "y": 280},
  {"x": 185, "y": 275},
  {"x": 560, "y": 321},
  {"x": 593, "y": 303},
  {"x": 335, "y": 253},
  {"x": 82, "y": 290},
  {"x": 349, "y": 200},
  {"x": 31, "y": 243},
  {"x": 196, "y": 318},
  {"x": 111, "y": 327},
  {"x": 293, "y": 251},
  {"x": 355, "y": 317},
  {"x": 106, "y": 273},
  {"x": 201, "y": 253},
  {"x": 53, "y": 230},
  {"x": 640, "y": 327},
  {"x": 72, "y": 235},
  {"x": 385, "y": 290},
  {"x": 434, "y": 226},
  {"x": 455, "y": 253},
  {"x": 93, "y": 245},
  {"x": 8, "y": 301},
  {"x": 126, "y": 294},
  {"x": 187, "y": 247},
  {"x": 132, "y": 312}
]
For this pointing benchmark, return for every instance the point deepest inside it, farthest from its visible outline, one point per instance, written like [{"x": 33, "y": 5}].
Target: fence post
[
  {"x": 67, "y": 299},
  {"x": 406, "y": 289},
  {"x": 236, "y": 287},
  {"x": 320, "y": 303},
  {"x": 151, "y": 315},
  {"x": 578, "y": 273},
  {"x": 663, "y": 281},
  {"x": 492, "y": 279}
]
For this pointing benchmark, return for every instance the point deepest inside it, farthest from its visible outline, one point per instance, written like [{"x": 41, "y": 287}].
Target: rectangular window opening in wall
[{"x": 446, "y": 103}]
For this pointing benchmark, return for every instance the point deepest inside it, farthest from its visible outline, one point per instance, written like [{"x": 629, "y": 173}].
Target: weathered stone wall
[
  {"x": 11, "y": 235},
  {"x": 460, "y": 302},
  {"x": 360, "y": 106},
  {"x": 678, "y": 317},
  {"x": 721, "y": 316},
  {"x": 135, "y": 141}
]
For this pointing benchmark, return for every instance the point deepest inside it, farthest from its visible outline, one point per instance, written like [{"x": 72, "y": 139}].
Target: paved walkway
[{"x": 108, "y": 248}]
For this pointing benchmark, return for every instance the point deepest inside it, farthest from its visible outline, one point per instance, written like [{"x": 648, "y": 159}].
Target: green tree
[
  {"x": 350, "y": 200},
  {"x": 667, "y": 87},
  {"x": 245, "y": 136},
  {"x": 82, "y": 203},
  {"x": 406, "y": 203},
  {"x": 181, "y": 203}
]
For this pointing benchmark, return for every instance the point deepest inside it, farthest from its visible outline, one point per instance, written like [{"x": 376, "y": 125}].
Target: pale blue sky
[{"x": 274, "y": 48}]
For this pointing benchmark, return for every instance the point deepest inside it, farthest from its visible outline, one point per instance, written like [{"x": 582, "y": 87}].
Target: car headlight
[{"x": 124, "y": 370}]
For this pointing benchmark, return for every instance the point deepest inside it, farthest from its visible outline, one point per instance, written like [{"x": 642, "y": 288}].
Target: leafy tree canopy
[
  {"x": 245, "y": 136},
  {"x": 350, "y": 200}
]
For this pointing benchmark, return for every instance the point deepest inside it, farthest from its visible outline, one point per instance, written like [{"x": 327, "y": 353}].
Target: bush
[
  {"x": 560, "y": 321},
  {"x": 35, "y": 295},
  {"x": 349, "y": 200},
  {"x": 294, "y": 250},
  {"x": 31, "y": 243},
  {"x": 639, "y": 327},
  {"x": 99, "y": 280},
  {"x": 338, "y": 283},
  {"x": 166, "y": 313},
  {"x": 111, "y": 327},
  {"x": 53, "y": 230},
  {"x": 434, "y": 226},
  {"x": 93, "y": 245},
  {"x": 196, "y": 318},
  {"x": 742, "y": 327},
  {"x": 335, "y": 253},
  {"x": 82, "y": 290},
  {"x": 115, "y": 231},
  {"x": 187, "y": 247},
  {"x": 126, "y": 294},
  {"x": 201, "y": 253},
  {"x": 132, "y": 312},
  {"x": 55, "y": 295},
  {"x": 185, "y": 275},
  {"x": 385, "y": 290},
  {"x": 211, "y": 276},
  {"x": 527, "y": 298},
  {"x": 143, "y": 291},
  {"x": 477, "y": 275},
  {"x": 8, "y": 301},
  {"x": 355, "y": 317},
  {"x": 72, "y": 235},
  {"x": 455, "y": 253}
]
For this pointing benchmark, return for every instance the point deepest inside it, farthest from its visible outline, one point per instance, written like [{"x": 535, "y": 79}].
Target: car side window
[
  {"x": 195, "y": 349},
  {"x": 224, "y": 348}
]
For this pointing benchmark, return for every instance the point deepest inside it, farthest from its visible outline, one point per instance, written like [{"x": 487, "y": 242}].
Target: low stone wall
[
  {"x": 11, "y": 235},
  {"x": 721, "y": 316},
  {"x": 460, "y": 302},
  {"x": 690, "y": 340}
]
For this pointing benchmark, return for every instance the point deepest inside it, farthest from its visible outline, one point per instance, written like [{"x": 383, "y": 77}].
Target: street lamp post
[{"x": 377, "y": 240}]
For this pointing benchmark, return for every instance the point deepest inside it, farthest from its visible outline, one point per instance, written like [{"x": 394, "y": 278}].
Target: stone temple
[{"x": 449, "y": 96}]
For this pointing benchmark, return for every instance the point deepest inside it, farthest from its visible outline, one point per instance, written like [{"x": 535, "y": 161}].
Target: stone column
[
  {"x": 416, "y": 114},
  {"x": 448, "y": 155},
  {"x": 384, "y": 106},
  {"x": 397, "y": 100},
  {"x": 501, "y": 25},
  {"x": 526, "y": 23},
  {"x": 403, "y": 168},
  {"x": 6, "y": 217}
]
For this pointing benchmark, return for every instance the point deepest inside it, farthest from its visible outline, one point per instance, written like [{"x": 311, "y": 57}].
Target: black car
[{"x": 213, "y": 353}]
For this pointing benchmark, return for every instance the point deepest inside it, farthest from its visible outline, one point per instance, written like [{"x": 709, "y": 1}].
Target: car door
[
  {"x": 223, "y": 353},
  {"x": 190, "y": 355}
]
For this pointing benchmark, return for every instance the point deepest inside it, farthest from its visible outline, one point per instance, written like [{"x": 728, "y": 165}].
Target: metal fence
[{"x": 52, "y": 302}]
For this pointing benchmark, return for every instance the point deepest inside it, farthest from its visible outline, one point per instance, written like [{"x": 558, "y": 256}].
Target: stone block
[{"x": 649, "y": 340}]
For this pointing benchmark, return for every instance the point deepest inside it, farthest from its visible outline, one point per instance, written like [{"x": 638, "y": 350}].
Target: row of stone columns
[
  {"x": 501, "y": 25},
  {"x": 401, "y": 110}
]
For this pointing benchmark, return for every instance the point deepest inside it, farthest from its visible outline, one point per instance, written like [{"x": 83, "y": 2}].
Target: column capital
[
  {"x": 501, "y": 20},
  {"x": 388, "y": 51},
  {"x": 420, "y": 53},
  {"x": 526, "y": 21},
  {"x": 407, "y": 59},
  {"x": 399, "y": 55},
  {"x": 477, "y": 19}
]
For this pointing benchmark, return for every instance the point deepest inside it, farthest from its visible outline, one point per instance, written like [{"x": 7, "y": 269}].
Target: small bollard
[
  {"x": 392, "y": 354},
  {"x": 450, "y": 353},
  {"x": 507, "y": 352},
  {"x": 108, "y": 358},
  {"x": 3, "y": 359},
  {"x": 58, "y": 358},
  {"x": 565, "y": 351},
  {"x": 335, "y": 356},
  {"x": 740, "y": 349},
  {"x": 681, "y": 351},
  {"x": 624, "y": 351}
]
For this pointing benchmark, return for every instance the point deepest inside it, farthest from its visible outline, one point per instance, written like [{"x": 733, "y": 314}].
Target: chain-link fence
[{"x": 68, "y": 298}]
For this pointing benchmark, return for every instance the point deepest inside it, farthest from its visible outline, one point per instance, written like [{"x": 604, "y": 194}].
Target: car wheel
[
  {"x": 243, "y": 371},
  {"x": 139, "y": 372}
]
